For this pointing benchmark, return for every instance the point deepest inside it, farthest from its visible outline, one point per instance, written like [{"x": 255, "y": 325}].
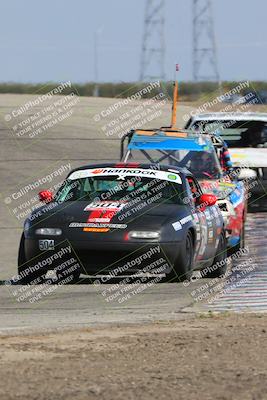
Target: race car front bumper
[{"x": 102, "y": 258}]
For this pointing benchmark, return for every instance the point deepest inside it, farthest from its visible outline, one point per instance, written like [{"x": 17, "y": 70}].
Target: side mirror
[
  {"x": 45, "y": 196},
  {"x": 206, "y": 200},
  {"x": 246, "y": 173}
]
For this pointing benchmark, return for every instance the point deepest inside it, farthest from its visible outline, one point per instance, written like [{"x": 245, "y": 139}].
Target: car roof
[
  {"x": 129, "y": 165},
  {"x": 161, "y": 140},
  {"x": 236, "y": 116}
]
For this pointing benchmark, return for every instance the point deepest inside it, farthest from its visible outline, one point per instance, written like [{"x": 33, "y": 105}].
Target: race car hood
[{"x": 77, "y": 219}]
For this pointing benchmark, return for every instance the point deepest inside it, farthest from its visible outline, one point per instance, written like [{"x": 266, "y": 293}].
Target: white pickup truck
[{"x": 246, "y": 137}]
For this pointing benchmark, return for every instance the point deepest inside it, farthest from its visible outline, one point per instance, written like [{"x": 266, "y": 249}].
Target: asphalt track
[
  {"x": 76, "y": 306},
  {"x": 77, "y": 140},
  {"x": 248, "y": 290}
]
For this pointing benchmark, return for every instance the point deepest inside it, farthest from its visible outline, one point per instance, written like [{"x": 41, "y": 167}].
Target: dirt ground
[{"x": 201, "y": 357}]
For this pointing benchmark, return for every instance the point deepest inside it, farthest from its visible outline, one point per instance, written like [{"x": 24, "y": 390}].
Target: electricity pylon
[
  {"x": 153, "y": 47},
  {"x": 205, "y": 63}
]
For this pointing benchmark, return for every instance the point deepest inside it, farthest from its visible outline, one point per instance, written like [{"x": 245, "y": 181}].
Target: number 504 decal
[{"x": 46, "y": 244}]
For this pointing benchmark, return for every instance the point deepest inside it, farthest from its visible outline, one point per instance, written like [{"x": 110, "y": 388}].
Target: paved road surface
[
  {"x": 247, "y": 292},
  {"x": 77, "y": 140},
  {"x": 85, "y": 305}
]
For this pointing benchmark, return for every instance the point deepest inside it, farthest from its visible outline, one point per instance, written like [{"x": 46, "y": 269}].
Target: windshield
[
  {"x": 202, "y": 164},
  {"x": 236, "y": 133},
  {"x": 114, "y": 188}
]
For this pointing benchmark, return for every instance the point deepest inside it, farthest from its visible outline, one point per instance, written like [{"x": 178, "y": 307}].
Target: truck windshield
[{"x": 236, "y": 133}]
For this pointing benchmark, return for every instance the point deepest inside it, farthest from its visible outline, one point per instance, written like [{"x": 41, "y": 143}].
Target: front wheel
[
  {"x": 183, "y": 265},
  {"x": 24, "y": 278}
]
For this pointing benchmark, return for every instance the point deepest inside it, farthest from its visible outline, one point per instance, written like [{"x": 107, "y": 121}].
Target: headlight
[
  {"x": 144, "y": 235},
  {"x": 48, "y": 231}
]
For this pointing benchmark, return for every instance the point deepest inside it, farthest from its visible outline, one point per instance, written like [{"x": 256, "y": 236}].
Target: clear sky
[{"x": 53, "y": 40}]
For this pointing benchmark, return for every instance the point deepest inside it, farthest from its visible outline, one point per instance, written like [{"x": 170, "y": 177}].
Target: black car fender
[{"x": 181, "y": 226}]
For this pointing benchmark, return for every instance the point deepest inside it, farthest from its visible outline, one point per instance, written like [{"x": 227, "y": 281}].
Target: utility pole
[
  {"x": 204, "y": 43},
  {"x": 96, "y": 45},
  {"x": 153, "y": 46}
]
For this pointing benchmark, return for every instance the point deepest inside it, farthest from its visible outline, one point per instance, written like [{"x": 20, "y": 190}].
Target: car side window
[
  {"x": 193, "y": 187},
  {"x": 199, "y": 190}
]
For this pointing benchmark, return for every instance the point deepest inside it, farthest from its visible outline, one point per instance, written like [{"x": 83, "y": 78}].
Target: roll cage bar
[{"x": 126, "y": 154}]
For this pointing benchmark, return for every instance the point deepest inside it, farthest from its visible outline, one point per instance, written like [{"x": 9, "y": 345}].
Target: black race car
[{"x": 119, "y": 219}]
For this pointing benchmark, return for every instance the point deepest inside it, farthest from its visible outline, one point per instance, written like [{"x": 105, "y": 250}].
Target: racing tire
[
  {"x": 183, "y": 266},
  {"x": 21, "y": 254},
  {"x": 219, "y": 265},
  {"x": 22, "y": 262}
]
